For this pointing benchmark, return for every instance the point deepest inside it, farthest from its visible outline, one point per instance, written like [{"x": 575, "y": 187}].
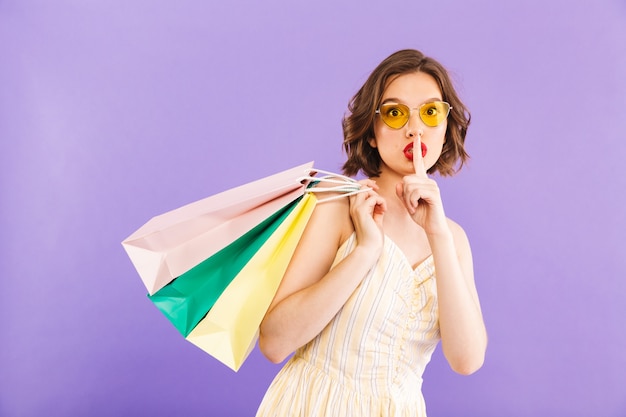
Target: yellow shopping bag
[{"x": 230, "y": 329}]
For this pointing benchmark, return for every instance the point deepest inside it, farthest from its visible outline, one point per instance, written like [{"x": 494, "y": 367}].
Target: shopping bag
[
  {"x": 213, "y": 267},
  {"x": 187, "y": 299},
  {"x": 230, "y": 329},
  {"x": 172, "y": 243}
]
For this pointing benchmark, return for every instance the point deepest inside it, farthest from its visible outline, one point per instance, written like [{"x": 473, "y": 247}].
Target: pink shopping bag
[{"x": 172, "y": 243}]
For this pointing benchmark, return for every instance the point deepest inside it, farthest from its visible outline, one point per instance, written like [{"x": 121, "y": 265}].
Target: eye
[
  {"x": 430, "y": 110},
  {"x": 394, "y": 111}
]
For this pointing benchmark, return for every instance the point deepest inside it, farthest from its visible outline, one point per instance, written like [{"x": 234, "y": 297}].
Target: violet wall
[{"x": 114, "y": 111}]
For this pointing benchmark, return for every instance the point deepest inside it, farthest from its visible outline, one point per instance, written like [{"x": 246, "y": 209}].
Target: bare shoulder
[
  {"x": 464, "y": 255},
  {"x": 332, "y": 212},
  {"x": 331, "y": 216},
  {"x": 324, "y": 233},
  {"x": 461, "y": 240}
]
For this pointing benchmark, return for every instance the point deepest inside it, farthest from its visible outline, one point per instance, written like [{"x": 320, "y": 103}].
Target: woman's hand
[
  {"x": 463, "y": 334},
  {"x": 311, "y": 282},
  {"x": 421, "y": 196},
  {"x": 367, "y": 210}
]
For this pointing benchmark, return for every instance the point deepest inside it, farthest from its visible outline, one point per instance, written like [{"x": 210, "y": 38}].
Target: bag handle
[{"x": 342, "y": 184}]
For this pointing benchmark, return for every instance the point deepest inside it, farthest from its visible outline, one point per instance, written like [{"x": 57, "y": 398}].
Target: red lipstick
[{"x": 408, "y": 151}]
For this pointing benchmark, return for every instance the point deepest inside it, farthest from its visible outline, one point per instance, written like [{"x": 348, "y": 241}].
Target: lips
[{"x": 408, "y": 151}]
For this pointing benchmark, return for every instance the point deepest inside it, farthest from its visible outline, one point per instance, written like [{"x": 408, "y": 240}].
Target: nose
[{"x": 414, "y": 126}]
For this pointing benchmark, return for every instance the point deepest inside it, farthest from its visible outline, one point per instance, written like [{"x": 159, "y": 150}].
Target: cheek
[{"x": 440, "y": 135}]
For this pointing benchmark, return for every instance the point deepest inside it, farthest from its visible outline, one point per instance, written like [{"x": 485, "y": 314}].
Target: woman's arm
[
  {"x": 463, "y": 333},
  {"x": 311, "y": 294}
]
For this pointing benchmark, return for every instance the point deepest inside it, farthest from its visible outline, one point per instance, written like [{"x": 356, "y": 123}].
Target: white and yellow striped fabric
[{"x": 370, "y": 358}]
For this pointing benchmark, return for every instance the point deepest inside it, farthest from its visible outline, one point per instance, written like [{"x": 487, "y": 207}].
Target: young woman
[{"x": 379, "y": 278}]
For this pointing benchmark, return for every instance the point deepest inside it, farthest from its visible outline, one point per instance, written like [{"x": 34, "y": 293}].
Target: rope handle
[{"x": 343, "y": 184}]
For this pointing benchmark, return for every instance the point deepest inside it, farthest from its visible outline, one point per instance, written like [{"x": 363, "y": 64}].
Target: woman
[{"x": 379, "y": 279}]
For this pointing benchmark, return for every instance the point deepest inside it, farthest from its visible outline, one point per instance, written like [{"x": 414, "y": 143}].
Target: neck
[{"x": 387, "y": 180}]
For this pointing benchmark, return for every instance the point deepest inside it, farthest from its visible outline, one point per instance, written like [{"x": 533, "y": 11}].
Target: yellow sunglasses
[{"x": 396, "y": 115}]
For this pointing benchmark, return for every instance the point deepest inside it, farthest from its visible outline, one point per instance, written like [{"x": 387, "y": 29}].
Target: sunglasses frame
[{"x": 410, "y": 110}]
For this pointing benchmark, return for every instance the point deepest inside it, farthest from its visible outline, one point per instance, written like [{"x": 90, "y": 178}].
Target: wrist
[
  {"x": 366, "y": 253},
  {"x": 442, "y": 232}
]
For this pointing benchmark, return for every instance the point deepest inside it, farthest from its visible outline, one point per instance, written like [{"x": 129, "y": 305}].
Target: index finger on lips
[{"x": 418, "y": 159}]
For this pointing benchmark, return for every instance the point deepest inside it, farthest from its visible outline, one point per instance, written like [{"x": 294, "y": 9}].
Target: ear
[{"x": 372, "y": 142}]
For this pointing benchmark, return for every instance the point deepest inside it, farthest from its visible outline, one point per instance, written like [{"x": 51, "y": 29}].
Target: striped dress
[{"x": 369, "y": 360}]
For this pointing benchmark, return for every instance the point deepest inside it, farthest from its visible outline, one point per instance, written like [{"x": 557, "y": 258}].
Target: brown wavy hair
[{"x": 358, "y": 124}]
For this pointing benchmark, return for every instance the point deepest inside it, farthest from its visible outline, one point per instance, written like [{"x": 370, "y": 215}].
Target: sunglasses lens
[
  {"x": 394, "y": 115},
  {"x": 432, "y": 114}
]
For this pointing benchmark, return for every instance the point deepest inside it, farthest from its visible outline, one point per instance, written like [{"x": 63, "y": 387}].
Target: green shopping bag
[{"x": 188, "y": 298}]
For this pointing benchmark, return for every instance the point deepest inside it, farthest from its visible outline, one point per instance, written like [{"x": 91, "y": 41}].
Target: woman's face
[{"x": 395, "y": 145}]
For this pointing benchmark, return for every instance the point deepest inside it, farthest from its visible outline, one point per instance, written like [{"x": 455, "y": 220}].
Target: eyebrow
[{"x": 395, "y": 100}]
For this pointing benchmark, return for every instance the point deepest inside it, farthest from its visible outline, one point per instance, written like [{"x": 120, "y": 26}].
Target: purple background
[{"x": 114, "y": 111}]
